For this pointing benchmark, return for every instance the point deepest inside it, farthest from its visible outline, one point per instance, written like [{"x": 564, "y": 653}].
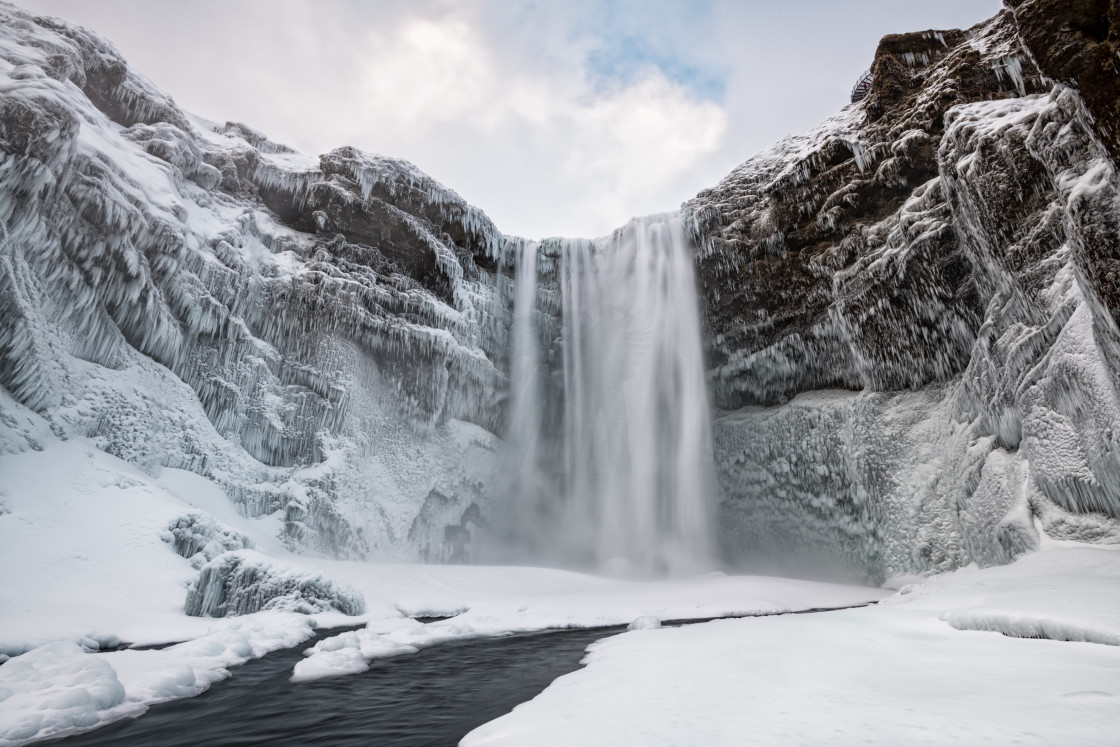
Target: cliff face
[
  {"x": 323, "y": 337},
  {"x": 947, "y": 248},
  {"x": 913, "y": 309}
]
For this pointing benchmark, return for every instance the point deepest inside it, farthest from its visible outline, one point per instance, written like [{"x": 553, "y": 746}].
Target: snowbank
[
  {"x": 899, "y": 672},
  {"x": 58, "y": 688}
]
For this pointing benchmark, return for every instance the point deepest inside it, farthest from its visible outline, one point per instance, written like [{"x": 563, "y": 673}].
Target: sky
[{"x": 556, "y": 118}]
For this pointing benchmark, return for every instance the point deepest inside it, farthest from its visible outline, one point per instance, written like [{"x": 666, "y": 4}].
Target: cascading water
[{"x": 610, "y": 447}]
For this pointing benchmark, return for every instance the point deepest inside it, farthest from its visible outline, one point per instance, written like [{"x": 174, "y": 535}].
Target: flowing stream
[{"x": 433, "y": 697}]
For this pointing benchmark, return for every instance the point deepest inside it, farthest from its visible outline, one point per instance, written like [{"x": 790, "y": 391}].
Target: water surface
[{"x": 433, "y": 697}]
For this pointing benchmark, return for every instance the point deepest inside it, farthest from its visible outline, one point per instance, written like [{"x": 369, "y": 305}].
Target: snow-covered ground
[
  {"x": 88, "y": 551},
  {"x": 920, "y": 667}
]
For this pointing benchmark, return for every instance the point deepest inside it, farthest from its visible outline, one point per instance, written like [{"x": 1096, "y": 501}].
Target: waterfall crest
[{"x": 609, "y": 432}]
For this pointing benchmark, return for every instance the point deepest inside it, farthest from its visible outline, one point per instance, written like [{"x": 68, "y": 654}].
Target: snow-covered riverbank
[
  {"x": 926, "y": 666},
  {"x": 89, "y": 551}
]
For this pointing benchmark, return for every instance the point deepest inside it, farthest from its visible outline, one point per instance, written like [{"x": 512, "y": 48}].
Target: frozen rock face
[
  {"x": 244, "y": 581},
  {"x": 947, "y": 248},
  {"x": 200, "y": 538},
  {"x": 322, "y": 337}
]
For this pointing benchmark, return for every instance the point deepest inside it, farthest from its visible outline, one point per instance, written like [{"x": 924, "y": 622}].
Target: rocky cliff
[
  {"x": 323, "y": 337},
  {"x": 912, "y": 309}
]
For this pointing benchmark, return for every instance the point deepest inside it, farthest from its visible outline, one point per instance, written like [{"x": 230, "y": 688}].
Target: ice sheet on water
[
  {"x": 347, "y": 653},
  {"x": 350, "y": 652}
]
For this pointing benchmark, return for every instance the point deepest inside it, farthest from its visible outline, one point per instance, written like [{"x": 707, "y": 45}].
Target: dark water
[{"x": 433, "y": 697}]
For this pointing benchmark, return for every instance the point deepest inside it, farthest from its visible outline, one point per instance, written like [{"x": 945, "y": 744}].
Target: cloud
[
  {"x": 555, "y": 118},
  {"x": 593, "y": 150}
]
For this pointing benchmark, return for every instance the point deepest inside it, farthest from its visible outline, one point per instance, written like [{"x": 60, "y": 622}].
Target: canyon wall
[
  {"x": 911, "y": 310},
  {"x": 324, "y": 337}
]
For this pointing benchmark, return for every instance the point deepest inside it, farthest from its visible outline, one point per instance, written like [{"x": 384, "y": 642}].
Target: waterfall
[
  {"x": 619, "y": 478},
  {"x": 526, "y": 397}
]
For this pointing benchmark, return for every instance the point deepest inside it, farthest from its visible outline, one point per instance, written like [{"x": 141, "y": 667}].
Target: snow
[
  {"x": 900, "y": 672},
  {"x": 88, "y": 567},
  {"x": 645, "y": 622},
  {"x": 58, "y": 687}
]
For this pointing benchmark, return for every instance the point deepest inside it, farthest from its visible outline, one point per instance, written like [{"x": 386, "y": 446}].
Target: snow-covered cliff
[
  {"x": 913, "y": 311},
  {"x": 322, "y": 337}
]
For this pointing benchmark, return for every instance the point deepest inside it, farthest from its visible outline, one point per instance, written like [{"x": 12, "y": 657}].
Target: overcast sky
[{"x": 556, "y": 118}]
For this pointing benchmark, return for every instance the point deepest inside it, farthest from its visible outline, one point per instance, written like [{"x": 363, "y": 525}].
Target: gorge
[{"x": 882, "y": 349}]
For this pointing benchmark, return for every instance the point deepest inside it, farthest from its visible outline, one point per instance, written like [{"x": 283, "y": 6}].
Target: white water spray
[{"x": 623, "y": 481}]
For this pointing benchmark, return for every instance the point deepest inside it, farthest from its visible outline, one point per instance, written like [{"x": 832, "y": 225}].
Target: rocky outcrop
[
  {"x": 945, "y": 248},
  {"x": 1077, "y": 43},
  {"x": 200, "y": 538},
  {"x": 244, "y": 581}
]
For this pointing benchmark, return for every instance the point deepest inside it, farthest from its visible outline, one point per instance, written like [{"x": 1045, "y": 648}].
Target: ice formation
[
  {"x": 240, "y": 582},
  {"x": 200, "y": 538},
  {"x": 315, "y": 335}
]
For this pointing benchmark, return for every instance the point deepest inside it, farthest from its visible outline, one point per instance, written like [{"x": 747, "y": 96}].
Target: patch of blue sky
[
  {"x": 625, "y": 58},
  {"x": 631, "y": 37}
]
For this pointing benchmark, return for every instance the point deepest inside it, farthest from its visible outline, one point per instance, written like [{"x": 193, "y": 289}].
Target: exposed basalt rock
[
  {"x": 954, "y": 234},
  {"x": 832, "y": 259},
  {"x": 1077, "y": 42}
]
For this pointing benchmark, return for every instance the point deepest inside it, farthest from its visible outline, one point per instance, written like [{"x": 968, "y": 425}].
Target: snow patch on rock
[{"x": 200, "y": 538}]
